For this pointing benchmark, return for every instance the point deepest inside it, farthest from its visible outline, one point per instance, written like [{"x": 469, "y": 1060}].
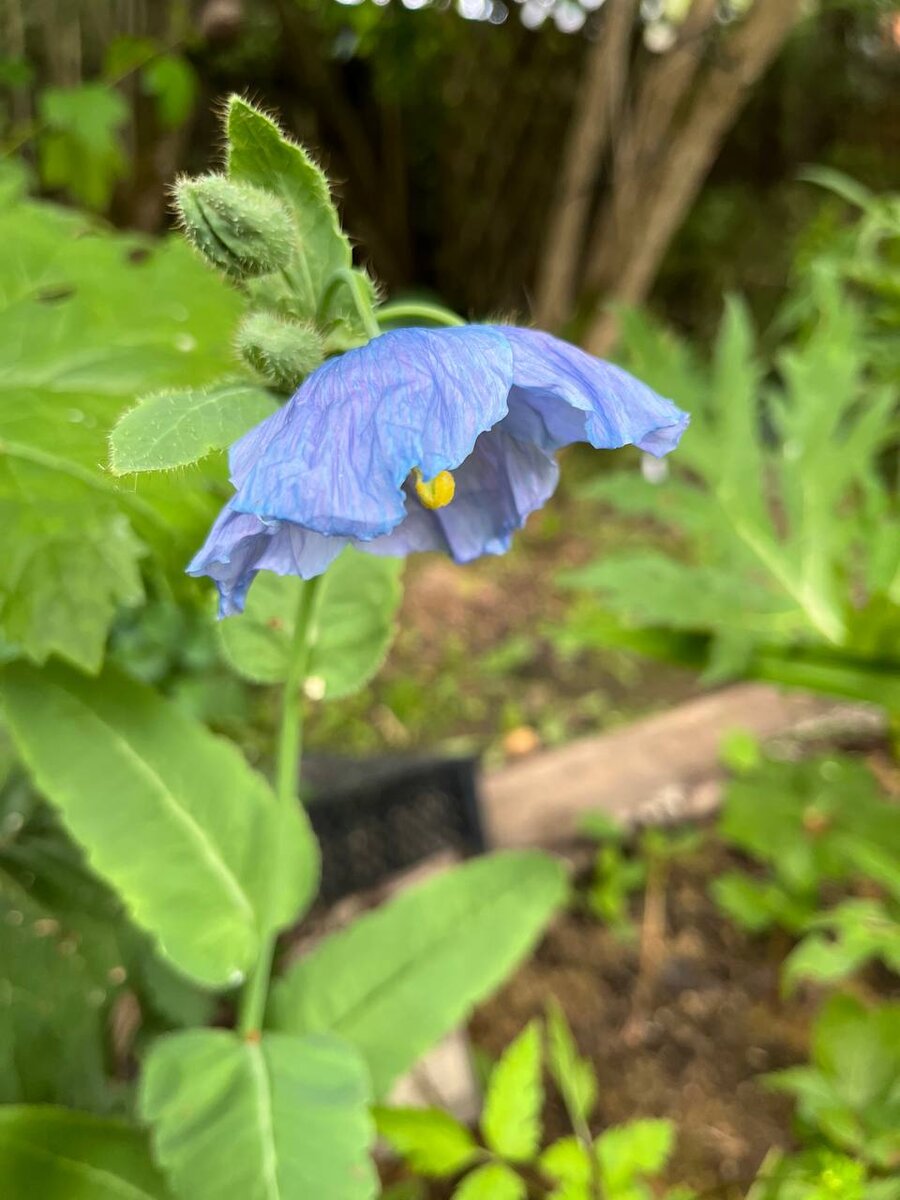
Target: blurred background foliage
[{"x": 508, "y": 168}]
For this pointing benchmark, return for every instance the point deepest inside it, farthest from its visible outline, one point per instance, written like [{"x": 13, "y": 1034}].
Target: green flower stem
[
  {"x": 425, "y": 312},
  {"x": 353, "y": 283},
  {"x": 298, "y": 281},
  {"x": 290, "y": 748}
]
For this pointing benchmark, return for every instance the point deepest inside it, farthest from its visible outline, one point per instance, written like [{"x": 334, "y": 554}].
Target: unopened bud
[
  {"x": 241, "y": 229},
  {"x": 283, "y": 351}
]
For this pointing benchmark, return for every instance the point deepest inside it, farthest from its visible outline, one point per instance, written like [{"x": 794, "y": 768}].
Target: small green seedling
[
  {"x": 843, "y": 941},
  {"x": 819, "y": 1174},
  {"x": 810, "y": 823},
  {"x": 849, "y": 1095},
  {"x": 507, "y": 1159},
  {"x": 620, "y": 871},
  {"x": 740, "y": 751},
  {"x": 616, "y": 876}
]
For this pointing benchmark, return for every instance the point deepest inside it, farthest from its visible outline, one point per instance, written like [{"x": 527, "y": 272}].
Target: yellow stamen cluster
[{"x": 437, "y": 492}]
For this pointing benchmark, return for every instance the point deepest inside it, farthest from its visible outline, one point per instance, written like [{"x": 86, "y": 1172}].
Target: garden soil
[{"x": 687, "y": 1037}]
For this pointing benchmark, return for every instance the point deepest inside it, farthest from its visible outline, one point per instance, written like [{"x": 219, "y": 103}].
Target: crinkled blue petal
[
  {"x": 240, "y": 544},
  {"x": 335, "y": 458},
  {"x": 498, "y": 486},
  {"x": 418, "y": 531},
  {"x": 562, "y": 394}
]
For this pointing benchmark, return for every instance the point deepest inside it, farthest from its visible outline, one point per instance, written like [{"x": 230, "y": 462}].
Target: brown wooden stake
[
  {"x": 669, "y": 191},
  {"x": 597, "y": 106}
]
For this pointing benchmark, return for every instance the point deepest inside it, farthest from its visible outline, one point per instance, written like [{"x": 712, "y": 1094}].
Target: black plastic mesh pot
[{"x": 376, "y": 817}]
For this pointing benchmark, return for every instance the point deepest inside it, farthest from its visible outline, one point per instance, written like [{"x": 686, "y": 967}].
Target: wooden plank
[{"x": 663, "y": 765}]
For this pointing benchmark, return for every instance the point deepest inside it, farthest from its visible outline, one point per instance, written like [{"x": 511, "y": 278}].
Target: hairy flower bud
[
  {"x": 241, "y": 229},
  {"x": 284, "y": 352}
]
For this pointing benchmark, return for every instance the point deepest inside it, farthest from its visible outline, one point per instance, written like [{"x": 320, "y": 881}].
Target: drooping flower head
[{"x": 424, "y": 439}]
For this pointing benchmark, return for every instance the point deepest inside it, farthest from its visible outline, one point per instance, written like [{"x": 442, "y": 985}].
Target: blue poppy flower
[{"x": 424, "y": 439}]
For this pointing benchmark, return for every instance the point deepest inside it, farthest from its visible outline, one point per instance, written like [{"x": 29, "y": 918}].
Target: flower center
[{"x": 437, "y": 492}]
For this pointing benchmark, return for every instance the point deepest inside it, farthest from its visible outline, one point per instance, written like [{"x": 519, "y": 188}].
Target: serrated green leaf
[
  {"x": 668, "y": 364},
  {"x": 628, "y": 1152},
  {"x": 672, "y": 502},
  {"x": 785, "y": 549},
  {"x": 810, "y": 1175},
  {"x": 573, "y": 1075},
  {"x": 849, "y": 1092},
  {"x": 734, "y": 401},
  {"x": 453, "y": 939},
  {"x": 73, "y": 560},
  {"x": 567, "y": 1161},
  {"x": 358, "y": 603},
  {"x": 858, "y": 1048},
  {"x": 492, "y": 1182},
  {"x": 58, "y": 1154},
  {"x": 861, "y": 931},
  {"x": 206, "y": 824},
  {"x": 177, "y": 428},
  {"x": 281, "y": 1118},
  {"x": 260, "y": 154},
  {"x": 756, "y": 905},
  {"x": 651, "y": 589},
  {"x": 429, "y": 1140},
  {"x": 511, "y": 1120}
]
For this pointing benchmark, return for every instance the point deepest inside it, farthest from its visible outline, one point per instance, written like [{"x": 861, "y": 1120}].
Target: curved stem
[
  {"x": 427, "y": 312},
  {"x": 353, "y": 283},
  {"x": 290, "y": 746}
]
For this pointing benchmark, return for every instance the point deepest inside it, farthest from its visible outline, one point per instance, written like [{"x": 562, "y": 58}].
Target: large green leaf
[
  {"x": 170, "y": 815},
  {"x": 360, "y": 596},
  {"x": 68, "y": 953},
  {"x": 72, "y": 559},
  {"x": 284, "y": 1118},
  {"x": 62, "y": 966},
  {"x": 88, "y": 320},
  {"x": 401, "y": 977},
  {"x": 260, "y": 154},
  {"x": 177, "y": 428},
  {"x": 59, "y": 1154}
]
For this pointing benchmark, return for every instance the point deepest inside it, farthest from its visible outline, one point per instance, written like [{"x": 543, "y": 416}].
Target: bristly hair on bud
[
  {"x": 281, "y": 350},
  {"x": 241, "y": 229}
]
